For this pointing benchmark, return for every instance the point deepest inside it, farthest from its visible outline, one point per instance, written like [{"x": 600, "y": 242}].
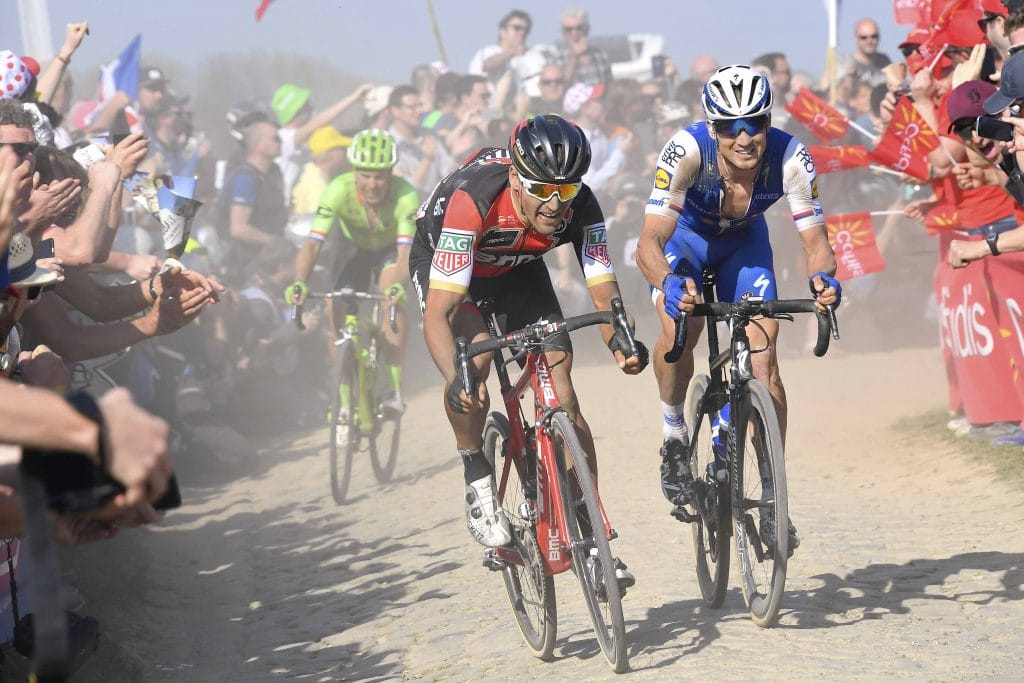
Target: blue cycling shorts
[{"x": 743, "y": 260}]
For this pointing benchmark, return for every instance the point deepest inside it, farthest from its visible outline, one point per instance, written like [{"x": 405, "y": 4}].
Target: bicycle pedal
[
  {"x": 683, "y": 515},
  {"x": 493, "y": 562}
]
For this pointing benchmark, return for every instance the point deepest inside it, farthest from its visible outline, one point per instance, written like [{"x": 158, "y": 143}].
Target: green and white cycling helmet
[{"x": 373, "y": 150}]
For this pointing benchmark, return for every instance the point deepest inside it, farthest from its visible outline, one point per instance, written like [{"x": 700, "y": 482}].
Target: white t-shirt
[{"x": 290, "y": 161}]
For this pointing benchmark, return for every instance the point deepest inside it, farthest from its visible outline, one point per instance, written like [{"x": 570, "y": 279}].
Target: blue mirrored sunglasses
[{"x": 752, "y": 125}]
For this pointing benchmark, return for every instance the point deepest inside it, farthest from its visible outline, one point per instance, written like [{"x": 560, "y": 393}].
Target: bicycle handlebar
[
  {"x": 343, "y": 293},
  {"x": 535, "y": 334},
  {"x": 748, "y": 308}
]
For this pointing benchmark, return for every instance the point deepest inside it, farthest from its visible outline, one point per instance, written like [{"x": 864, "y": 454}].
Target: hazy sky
[{"x": 382, "y": 40}]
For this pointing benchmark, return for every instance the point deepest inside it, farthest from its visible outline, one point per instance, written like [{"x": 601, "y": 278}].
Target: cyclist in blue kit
[{"x": 713, "y": 182}]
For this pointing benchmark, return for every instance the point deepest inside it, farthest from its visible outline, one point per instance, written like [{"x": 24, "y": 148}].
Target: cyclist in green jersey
[{"x": 372, "y": 212}]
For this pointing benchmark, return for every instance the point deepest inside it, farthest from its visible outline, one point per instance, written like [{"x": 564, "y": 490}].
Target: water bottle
[{"x": 720, "y": 438}]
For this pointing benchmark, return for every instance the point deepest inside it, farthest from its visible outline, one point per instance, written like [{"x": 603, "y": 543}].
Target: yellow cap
[{"x": 325, "y": 138}]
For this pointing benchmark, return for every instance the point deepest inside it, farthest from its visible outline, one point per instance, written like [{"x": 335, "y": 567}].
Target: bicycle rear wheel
[
  {"x": 760, "y": 495},
  {"x": 386, "y": 432},
  {"x": 592, "y": 558},
  {"x": 711, "y": 501},
  {"x": 531, "y": 592},
  {"x": 344, "y": 428}
]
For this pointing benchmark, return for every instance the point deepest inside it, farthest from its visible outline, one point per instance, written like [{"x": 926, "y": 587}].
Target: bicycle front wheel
[
  {"x": 591, "y": 553},
  {"x": 386, "y": 432},
  {"x": 710, "y": 503},
  {"x": 760, "y": 508},
  {"x": 531, "y": 592},
  {"x": 344, "y": 427}
]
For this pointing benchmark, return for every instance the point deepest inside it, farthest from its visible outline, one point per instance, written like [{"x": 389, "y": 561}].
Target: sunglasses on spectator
[
  {"x": 1016, "y": 108},
  {"x": 985, "y": 21},
  {"x": 908, "y": 50},
  {"x": 21, "y": 148},
  {"x": 751, "y": 125},
  {"x": 870, "y": 36},
  {"x": 545, "y": 191},
  {"x": 582, "y": 28},
  {"x": 964, "y": 129},
  {"x": 519, "y": 27},
  {"x": 552, "y": 81}
]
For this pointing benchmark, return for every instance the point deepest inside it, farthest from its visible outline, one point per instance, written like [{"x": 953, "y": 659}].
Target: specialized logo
[
  {"x": 496, "y": 239},
  {"x": 673, "y": 153},
  {"x": 453, "y": 252},
  {"x": 597, "y": 245},
  {"x": 662, "y": 179}
]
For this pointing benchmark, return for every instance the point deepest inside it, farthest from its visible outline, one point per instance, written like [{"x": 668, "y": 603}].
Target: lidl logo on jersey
[
  {"x": 597, "y": 245},
  {"x": 662, "y": 179},
  {"x": 453, "y": 252}
]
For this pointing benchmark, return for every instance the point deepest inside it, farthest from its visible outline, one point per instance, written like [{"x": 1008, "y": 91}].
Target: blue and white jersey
[{"x": 689, "y": 188}]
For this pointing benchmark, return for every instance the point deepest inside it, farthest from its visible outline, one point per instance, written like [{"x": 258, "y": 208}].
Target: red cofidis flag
[
  {"x": 821, "y": 118},
  {"x": 906, "y": 143},
  {"x": 912, "y": 12},
  {"x": 839, "y": 158},
  {"x": 852, "y": 237}
]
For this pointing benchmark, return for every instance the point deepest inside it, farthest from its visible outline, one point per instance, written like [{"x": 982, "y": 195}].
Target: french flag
[{"x": 122, "y": 74}]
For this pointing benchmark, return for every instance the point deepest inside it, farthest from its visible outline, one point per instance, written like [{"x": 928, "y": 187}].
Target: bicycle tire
[
  {"x": 710, "y": 531},
  {"x": 387, "y": 431},
  {"x": 760, "y": 460},
  {"x": 343, "y": 453},
  {"x": 604, "y": 606},
  {"x": 531, "y": 592}
]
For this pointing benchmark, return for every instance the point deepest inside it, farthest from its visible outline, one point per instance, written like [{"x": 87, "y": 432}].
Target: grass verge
[{"x": 1007, "y": 462}]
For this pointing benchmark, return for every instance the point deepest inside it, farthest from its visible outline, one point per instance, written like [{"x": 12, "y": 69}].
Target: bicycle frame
[{"x": 537, "y": 466}]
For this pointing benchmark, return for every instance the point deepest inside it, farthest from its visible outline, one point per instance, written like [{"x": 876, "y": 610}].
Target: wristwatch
[{"x": 992, "y": 238}]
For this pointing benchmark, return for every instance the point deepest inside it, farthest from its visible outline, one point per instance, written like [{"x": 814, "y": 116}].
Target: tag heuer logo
[
  {"x": 453, "y": 253},
  {"x": 597, "y": 245}
]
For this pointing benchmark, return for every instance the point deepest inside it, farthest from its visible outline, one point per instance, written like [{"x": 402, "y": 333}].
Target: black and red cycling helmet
[{"x": 549, "y": 149}]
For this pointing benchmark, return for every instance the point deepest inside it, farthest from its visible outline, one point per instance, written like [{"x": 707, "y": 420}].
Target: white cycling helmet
[{"x": 736, "y": 91}]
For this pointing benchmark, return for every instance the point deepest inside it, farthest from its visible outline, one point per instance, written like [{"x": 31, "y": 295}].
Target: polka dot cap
[{"x": 14, "y": 76}]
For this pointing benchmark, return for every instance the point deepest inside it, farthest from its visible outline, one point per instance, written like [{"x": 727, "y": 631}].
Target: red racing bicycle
[{"x": 547, "y": 490}]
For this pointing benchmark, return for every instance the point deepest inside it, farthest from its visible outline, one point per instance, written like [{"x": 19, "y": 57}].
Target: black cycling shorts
[{"x": 521, "y": 296}]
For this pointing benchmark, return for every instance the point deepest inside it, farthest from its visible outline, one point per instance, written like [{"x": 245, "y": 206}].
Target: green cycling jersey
[{"x": 392, "y": 222}]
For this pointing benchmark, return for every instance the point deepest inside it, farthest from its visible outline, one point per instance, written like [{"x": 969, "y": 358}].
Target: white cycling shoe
[{"x": 485, "y": 519}]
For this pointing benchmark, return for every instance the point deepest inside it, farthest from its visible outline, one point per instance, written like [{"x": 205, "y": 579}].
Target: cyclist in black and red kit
[{"x": 483, "y": 232}]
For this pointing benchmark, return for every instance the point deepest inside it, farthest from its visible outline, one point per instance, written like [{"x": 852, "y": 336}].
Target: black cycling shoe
[
  {"x": 676, "y": 478},
  {"x": 767, "y": 533}
]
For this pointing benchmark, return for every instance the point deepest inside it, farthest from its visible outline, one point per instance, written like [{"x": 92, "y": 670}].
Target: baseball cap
[
  {"x": 670, "y": 112},
  {"x": 14, "y": 76},
  {"x": 376, "y": 100},
  {"x": 579, "y": 94},
  {"x": 967, "y": 100},
  {"x": 288, "y": 101},
  {"x": 994, "y": 7},
  {"x": 1011, "y": 85},
  {"x": 917, "y": 36},
  {"x": 151, "y": 75},
  {"x": 21, "y": 264},
  {"x": 326, "y": 138}
]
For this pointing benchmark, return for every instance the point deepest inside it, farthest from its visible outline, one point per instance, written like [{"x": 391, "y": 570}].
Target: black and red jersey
[{"x": 468, "y": 228}]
